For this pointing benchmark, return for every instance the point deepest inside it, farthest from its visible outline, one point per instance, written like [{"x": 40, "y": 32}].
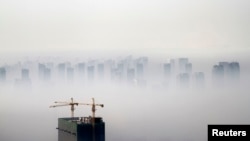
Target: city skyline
[{"x": 138, "y": 71}]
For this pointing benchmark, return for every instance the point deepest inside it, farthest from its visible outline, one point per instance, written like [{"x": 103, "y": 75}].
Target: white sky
[{"x": 129, "y": 25}]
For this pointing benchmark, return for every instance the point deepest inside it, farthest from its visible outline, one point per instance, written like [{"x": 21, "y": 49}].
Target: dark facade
[{"x": 81, "y": 129}]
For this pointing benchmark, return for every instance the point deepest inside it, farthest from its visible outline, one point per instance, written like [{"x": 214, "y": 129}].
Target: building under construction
[{"x": 81, "y": 129}]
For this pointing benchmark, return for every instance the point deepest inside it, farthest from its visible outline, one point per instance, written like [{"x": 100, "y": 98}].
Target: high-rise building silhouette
[
  {"x": 188, "y": 68},
  {"x": 226, "y": 73},
  {"x": 199, "y": 79},
  {"x": 182, "y": 64},
  {"x": 172, "y": 63},
  {"x": 184, "y": 80},
  {"x": 91, "y": 73},
  {"x": 81, "y": 71},
  {"x": 2, "y": 74},
  {"x": 25, "y": 75},
  {"x": 47, "y": 74},
  {"x": 44, "y": 72},
  {"x": 100, "y": 69},
  {"x": 167, "y": 70},
  {"x": 70, "y": 74},
  {"x": 121, "y": 68},
  {"x": 130, "y": 75},
  {"x": 218, "y": 75},
  {"x": 41, "y": 70},
  {"x": 61, "y": 70},
  {"x": 234, "y": 72},
  {"x": 139, "y": 70}
]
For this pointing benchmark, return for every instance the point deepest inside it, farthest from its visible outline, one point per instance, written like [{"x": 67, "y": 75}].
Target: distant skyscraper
[
  {"x": 44, "y": 72},
  {"x": 121, "y": 67},
  {"x": 113, "y": 73},
  {"x": 218, "y": 75},
  {"x": 227, "y": 72},
  {"x": 199, "y": 79},
  {"x": 182, "y": 64},
  {"x": 167, "y": 70},
  {"x": 91, "y": 72},
  {"x": 2, "y": 74},
  {"x": 224, "y": 64},
  {"x": 41, "y": 70},
  {"x": 188, "y": 68},
  {"x": 234, "y": 70},
  {"x": 116, "y": 74},
  {"x": 139, "y": 70},
  {"x": 100, "y": 68},
  {"x": 61, "y": 70},
  {"x": 184, "y": 80},
  {"x": 226, "y": 68},
  {"x": 130, "y": 75},
  {"x": 47, "y": 74},
  {"x": 81, "y": 70},
  {"x": 25, "y": 74},
  {"x": 172, "y": 64},
  {"x": 70, "y": 74}
]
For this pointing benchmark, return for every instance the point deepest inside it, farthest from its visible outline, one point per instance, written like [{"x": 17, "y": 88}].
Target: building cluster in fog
[
  {"x": 226, "y": 73},
  {"x": 130, "y": 71}
]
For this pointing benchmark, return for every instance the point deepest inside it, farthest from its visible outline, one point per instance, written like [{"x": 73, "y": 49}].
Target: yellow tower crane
[
  {"x": 64, "y": 103},
  {"x": 93, "y": 106}
]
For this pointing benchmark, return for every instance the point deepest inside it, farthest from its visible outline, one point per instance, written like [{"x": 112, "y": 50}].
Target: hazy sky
[{"x": 127, "y": 25}]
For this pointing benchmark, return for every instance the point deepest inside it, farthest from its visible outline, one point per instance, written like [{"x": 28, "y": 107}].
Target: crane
[
  {"x": 64, "y": 103},
  {"x": 72, "y": 104},
  {"x": 93, "y": 106}
]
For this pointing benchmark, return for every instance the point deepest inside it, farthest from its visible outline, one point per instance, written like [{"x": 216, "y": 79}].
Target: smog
[{"x": 149, "y": 105}]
